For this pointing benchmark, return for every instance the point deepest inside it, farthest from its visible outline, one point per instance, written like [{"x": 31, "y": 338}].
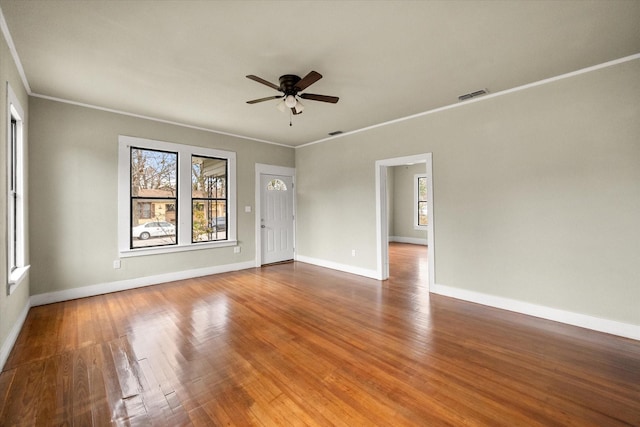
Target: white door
[{"x": 276, "y": 221}]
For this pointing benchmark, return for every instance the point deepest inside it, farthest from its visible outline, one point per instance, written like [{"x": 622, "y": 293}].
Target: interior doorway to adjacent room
[
  {"x": 407, "y": 221},
  {"x": 384, "y": 200}
]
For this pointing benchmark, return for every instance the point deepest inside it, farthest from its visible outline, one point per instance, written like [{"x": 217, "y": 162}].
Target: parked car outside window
[{"x": 153, "y": 229}]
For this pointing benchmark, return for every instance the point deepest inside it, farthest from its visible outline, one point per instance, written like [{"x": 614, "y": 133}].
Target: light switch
[{"x": 247, "y": 209}]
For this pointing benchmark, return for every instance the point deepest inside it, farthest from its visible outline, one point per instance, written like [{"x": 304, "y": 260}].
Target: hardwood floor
[{"x": 295, "y": 344}]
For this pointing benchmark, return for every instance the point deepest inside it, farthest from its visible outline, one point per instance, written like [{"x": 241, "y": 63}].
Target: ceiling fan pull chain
[{"x": 290, "y": 120}]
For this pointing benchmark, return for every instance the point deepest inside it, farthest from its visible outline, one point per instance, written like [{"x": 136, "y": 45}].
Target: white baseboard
[
  {"x": 373, "y": 274},
  {"x": 613, "y": 327},
  {"x": 121, "y": 285},
  {"x": 10, "y": 341},
  {"x": 411, "y": 240}
]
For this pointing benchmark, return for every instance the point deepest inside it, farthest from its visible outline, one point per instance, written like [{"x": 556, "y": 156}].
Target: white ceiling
[{"x": 186, "y": 61}]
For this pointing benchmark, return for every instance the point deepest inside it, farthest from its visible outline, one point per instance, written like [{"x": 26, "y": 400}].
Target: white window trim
[
  {"x": 16, "y": 276},
  {"x": 184, "y": 196},
  {"x": 416, "y": 226}
]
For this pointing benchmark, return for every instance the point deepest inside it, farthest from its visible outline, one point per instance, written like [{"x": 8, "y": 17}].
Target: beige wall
[
  {"x": 11, "y": 306},
  {"x": 536, "y": 192},
  {"x": 74, "y": 152}
]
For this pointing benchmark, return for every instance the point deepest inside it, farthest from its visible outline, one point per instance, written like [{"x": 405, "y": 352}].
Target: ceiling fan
[{"x": 290, "y": 86}]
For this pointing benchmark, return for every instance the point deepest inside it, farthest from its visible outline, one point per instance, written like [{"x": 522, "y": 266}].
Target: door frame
[
  {"x": 382, "y": 225},
  {"x": 264, "y": 169}
]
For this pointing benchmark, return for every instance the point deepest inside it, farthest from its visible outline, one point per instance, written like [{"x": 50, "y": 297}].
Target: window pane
[
  {"x": 422, "y": 213},
  {"x": 12, "y": 228},
  {"x": 208, "y": 178},
  {"x": 276, "y": 185},
  {"x": 153, "y": 173},
  {"x": 13, "y": 153},
  {"x": 209, "y": 194},
  {"x": 422, "y": 189},
  {"x": 153, "y": 222},
  {"x": 209, "y": 220}
]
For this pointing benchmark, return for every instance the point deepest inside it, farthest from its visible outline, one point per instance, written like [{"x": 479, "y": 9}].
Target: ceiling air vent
[
  {"x": 335, "y": 132},
  {"x": 470, "y": 95}
]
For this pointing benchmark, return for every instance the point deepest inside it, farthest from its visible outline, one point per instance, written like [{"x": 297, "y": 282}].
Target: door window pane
[{"x": 276, "y": 185}]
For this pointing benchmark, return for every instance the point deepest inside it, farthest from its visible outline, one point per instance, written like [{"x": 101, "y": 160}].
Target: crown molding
[{"x": 483, "y": 98}]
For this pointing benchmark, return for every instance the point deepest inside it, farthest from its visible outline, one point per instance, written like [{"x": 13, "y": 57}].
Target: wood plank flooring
[{"x": 295, "y": 344}]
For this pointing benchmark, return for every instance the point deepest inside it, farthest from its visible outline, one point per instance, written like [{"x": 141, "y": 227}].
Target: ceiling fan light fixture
[
  {"x": 290, "y": 101},
  {"x": 280, "y": 106},
  {"x": 299, "y": 107}
]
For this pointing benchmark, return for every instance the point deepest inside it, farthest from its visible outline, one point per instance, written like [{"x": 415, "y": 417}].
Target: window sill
[
  {"x": 171, "y": 249},
  {"x": 16, "y": 277},
  {"x": 421, "y": 227}
]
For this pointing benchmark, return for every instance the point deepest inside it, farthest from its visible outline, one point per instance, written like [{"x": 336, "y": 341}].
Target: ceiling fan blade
[
  {"x": 323, "y": 98},
  {"x": 268, "y": 98},
  {"x": 308, "y": 80},
  {"x": 263, "y": 81}
]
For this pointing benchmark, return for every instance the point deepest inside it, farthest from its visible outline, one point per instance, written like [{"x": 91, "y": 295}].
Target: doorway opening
[{"x": 384, "y": 180}]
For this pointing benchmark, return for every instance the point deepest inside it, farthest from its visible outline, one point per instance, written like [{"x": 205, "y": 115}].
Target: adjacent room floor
[{"x": 296, "y": 344}]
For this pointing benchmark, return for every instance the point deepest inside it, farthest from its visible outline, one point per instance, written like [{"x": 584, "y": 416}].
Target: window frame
[
  {"x": 183, "y": 201},
  {"x": 16, "y": 193},
  {"x": 416, "y": 202},
  {"x": 147, "y": 201},
  {"x": 215, "y": 199}
]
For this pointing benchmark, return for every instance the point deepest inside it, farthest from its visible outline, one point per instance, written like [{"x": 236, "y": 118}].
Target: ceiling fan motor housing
[{"x": 288, "y": 84}]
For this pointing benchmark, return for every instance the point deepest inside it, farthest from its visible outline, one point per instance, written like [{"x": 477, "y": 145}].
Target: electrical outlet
[
  {"x": 353, "y": 252},
  {"x": 116, "y": 264},
  {"x": 236, "y": 249}
]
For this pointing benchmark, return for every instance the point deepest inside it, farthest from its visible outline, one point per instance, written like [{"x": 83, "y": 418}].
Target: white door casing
[{"x": 381, "y": 213}]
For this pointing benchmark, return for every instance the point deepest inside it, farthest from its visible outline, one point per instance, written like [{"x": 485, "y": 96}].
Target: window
[
  {"x": 16, "y": 198},
  {"x": 420, "y": 217},
  {"x": 144, "y": 210},
  {"x": 276, "y": 185},
  {"x": 153, "y": 186},
  {"x": 174, "y": 197},
  {"x": 209, "y": 199}
]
